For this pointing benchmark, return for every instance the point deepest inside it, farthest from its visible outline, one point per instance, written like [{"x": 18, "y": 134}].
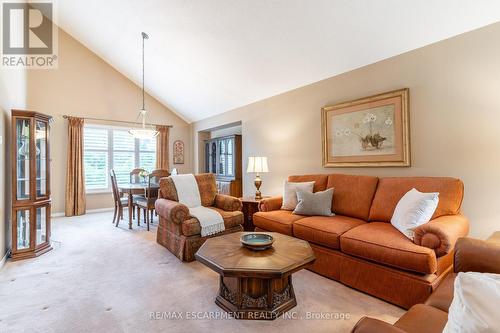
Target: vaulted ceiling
[{"x": 205, "y": 57}]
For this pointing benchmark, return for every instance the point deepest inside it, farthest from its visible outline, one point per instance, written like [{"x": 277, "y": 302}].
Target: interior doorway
[{"x": 220, "y": 153}]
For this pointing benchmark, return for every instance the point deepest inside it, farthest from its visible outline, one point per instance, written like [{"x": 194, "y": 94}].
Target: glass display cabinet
[
  {"x": 30, "y": 184},
  {"x": 223, "y": 158}
]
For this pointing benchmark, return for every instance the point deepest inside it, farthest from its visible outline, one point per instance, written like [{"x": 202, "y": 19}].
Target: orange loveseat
[{"x": 360, "y": 248}]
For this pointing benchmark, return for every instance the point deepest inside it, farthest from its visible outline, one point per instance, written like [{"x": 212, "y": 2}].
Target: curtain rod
[{"x": 116, "y": 121}]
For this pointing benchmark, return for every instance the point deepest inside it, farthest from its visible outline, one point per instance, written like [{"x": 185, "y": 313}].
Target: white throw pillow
[
  {"x": 414, "y": 209},
  {"x": 290, "y": 193},
  {"x": 474, "y": 308}
]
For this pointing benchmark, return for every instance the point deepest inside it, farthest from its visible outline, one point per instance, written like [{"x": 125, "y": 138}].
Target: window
[
  {"x": 95, "y": 143},
  {"x": 108, "y": 148}
]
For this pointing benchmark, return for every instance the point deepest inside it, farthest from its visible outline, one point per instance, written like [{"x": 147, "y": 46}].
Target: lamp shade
[{"x": 257, "y": 164}]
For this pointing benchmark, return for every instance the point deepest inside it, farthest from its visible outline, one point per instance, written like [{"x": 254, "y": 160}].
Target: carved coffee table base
[
  {"x": 255, "y": 284},
  {"x": 256, "y": 298}
]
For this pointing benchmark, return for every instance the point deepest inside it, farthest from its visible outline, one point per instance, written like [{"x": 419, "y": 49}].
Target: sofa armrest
[
  {"x": 475, "y": 255},
  {"x": 227, "y": 203},
  {"x": 269, "y": 204},
  {"x": 371, "y": 325},
  {"x": 442, "y": 233},
  {"x": 172, "y": 210}
]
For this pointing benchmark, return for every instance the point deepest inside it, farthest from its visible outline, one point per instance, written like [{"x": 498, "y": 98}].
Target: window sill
[{"x": 98, "y": 192}]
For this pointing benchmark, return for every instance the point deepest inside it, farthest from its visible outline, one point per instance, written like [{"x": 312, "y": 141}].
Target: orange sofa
[
  {"x": 471, "y": 255},
  {"x": 360, "y": 248}
]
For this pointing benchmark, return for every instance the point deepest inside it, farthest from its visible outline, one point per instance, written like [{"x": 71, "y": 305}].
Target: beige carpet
[{"x": 100, "y": 278}]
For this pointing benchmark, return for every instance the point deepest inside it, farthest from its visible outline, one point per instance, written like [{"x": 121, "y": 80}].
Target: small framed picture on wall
[{"x": 178, "y": 152}]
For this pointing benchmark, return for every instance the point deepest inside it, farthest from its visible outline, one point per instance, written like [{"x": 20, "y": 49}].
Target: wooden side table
[{"x": 250, "y": 206}]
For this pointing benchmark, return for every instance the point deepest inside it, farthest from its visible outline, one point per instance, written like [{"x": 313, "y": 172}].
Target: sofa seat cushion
[
  {"x": 382, "y": 243},
  {"x": 277, "y": 220},
  {"x": 324, "y": 230},
  {"x": 192, "y": 226}
]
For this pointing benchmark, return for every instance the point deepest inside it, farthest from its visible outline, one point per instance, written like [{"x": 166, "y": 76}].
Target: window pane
[
  {"x": 147, "y": 161},
  {"x": 23, "y": 229},
  {"x": 230, "y": 165},
  {"x": 41, "y": 225},
  {"x": 147, "y": 144},
  {"x": 123, "y": 164},
  {"x": 122, "y": 140},
  {"x": 23, "y": 156},
  {"x": 95, "y": 138},
  {"x": 96, "y": 169}
]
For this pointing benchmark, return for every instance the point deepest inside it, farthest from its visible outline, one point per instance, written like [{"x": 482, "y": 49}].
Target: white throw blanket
[{"x": 188, "y": 193}]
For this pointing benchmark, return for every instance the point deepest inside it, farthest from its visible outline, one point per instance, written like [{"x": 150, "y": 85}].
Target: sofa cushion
[
  {"x": 391, "y": 190},
  {"x": 206, "y": 185},
  {"x": 192, "y": 226},
  {"x": 382, "y": 243},
  {"x": 422, "y": 318},
  {"x": 353, "y": 194},
  {"x": 324, "y": 230},
  {"x": 276, "y": 220},
  {"x": 314, "y": 204},
  {"x": 319, "y": 181},
  {"x": 290, "y": 198}
]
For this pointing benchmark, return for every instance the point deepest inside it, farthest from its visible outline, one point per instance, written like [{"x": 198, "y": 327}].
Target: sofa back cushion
[
  {"x": 206, "y": 185},
  {"x": 353, "y": 194},
  {"x": 391, "y": 190},
  {"x": 208, "y": 188},
  {"x": 319, "y": 181},
  {"x": 167, "y": 189}
]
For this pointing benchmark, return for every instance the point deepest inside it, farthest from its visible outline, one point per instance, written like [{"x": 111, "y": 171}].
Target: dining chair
[
  {"x": 134, "y": 175},
  {"x": 118, "y": 199},
  {"x": 157, "y": 174},
  {"x": 147, "y": 202}
]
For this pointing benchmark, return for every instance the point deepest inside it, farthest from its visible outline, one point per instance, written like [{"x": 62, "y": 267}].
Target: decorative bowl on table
[{"x": 257, "y": 241}]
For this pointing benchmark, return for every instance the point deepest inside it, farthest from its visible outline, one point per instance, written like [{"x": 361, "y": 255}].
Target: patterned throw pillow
[{"x": 319, "y": 203}]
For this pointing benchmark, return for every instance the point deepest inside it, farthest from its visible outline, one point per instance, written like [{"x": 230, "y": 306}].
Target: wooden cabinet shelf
[
  {"x": 31, "y": 184},
  {"x": 223, "y": 158}
]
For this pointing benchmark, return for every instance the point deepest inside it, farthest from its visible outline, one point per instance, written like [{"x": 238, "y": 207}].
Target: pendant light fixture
[{"x": 144, "y": 131}]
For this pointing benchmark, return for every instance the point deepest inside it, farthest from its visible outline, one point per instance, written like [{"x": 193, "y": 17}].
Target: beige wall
[
  {"x": 12, "y": 95},
  {"x": 85, "y": 85},
  {"x": 225, "y": 131},
  {"x": 455, "y": 119}
]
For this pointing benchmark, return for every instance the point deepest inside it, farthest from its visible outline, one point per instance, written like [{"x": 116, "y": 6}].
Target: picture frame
[
  {"x": 368, "y": 132},
  {"x": 178, "y": 153}
]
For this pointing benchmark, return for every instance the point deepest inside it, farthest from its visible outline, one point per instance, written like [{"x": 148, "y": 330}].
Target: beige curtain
[
  {"x": 162, "y": 146},
  {"x": 75, "y": 176}
]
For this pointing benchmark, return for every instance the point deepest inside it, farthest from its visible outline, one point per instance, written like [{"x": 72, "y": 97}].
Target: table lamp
[{"x": 257, "y": 164}]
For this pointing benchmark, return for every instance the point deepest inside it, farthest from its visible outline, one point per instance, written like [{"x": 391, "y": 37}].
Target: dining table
[{"x": 132, "y": 189}]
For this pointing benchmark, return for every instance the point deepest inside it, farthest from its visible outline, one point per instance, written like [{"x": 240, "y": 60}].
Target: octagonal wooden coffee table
[{"x": 255, "y": 284}]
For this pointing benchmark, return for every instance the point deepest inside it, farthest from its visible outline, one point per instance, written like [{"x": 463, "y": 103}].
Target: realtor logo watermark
[{"x": 29, "y": 35}]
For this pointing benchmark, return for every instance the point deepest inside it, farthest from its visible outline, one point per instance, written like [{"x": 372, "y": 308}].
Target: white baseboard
[
  {"x": 4, "y": 259},
  {"x": 89, "y": 211},
  {"x": 100, "y": 210}
]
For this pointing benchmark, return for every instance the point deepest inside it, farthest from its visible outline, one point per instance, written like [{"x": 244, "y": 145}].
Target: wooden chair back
[
  {"x": 134, "y": 175},
  {"x": 114, "y": 187},
  {"x": 154, "y": 178}
]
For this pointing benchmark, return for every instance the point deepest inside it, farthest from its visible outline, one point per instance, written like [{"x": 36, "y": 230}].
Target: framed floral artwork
[
  {"x": 368, "y": 132},
  {"x": 178, "y": 152}
]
